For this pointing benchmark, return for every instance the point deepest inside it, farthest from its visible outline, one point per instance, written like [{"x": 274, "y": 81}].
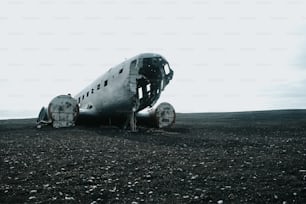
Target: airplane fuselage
[
  {"x": 130, "y": 86},
  {"x": 117, "y": 96}
]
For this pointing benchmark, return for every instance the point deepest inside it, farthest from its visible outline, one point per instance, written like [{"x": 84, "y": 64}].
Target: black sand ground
[{"x": 253, "y": 157}]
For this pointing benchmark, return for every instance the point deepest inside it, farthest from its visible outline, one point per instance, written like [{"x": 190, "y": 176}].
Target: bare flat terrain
[{"x": 248, "y": 157}]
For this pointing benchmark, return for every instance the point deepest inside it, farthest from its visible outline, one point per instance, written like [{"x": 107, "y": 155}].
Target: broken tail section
[{"x": 62, "y": 111}]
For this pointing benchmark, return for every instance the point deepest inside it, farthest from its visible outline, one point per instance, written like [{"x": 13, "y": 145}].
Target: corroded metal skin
[
  {"x": 121, "y": 92},
  {"x": 130, "y": 86},
  {"x": 125, "y": 89}
]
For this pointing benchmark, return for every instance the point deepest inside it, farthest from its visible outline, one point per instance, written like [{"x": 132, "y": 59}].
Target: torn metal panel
[
  {"x": 152, "y": 80},
  {"x": 43, "y": 117}
]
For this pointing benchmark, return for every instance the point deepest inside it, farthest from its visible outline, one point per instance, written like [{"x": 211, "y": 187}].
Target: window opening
[
  {"x": 167, "y": 69},
  {"x": 148, "y": 87},
  {"x": 140, "y": 94}
]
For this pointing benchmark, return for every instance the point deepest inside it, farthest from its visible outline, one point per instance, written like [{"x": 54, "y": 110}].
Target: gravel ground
[{"x": 248, "y": 157}]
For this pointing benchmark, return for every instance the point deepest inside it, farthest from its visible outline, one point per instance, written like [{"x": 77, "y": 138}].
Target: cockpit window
[
  {"x": 155, "y": 73},
  {"x": 167, "y": 68}
]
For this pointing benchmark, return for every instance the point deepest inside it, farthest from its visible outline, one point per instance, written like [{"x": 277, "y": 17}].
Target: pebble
[
  {"x": 69, "y": 198},
  {"x": 46, "y": 185},
  {"x": 33, "y": 191},
  {"x": 220, "y": 202},
  {"x": 32, "y": 197}
]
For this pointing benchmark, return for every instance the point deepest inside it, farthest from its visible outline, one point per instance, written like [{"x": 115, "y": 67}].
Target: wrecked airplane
[{"x": 122, "y": 96}]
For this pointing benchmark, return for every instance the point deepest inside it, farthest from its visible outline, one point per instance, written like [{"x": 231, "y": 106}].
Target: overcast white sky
[{"x": 226, "y": 55}]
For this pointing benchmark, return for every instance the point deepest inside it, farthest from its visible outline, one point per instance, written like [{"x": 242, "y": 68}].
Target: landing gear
[{"x": 133, "y": 121}]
